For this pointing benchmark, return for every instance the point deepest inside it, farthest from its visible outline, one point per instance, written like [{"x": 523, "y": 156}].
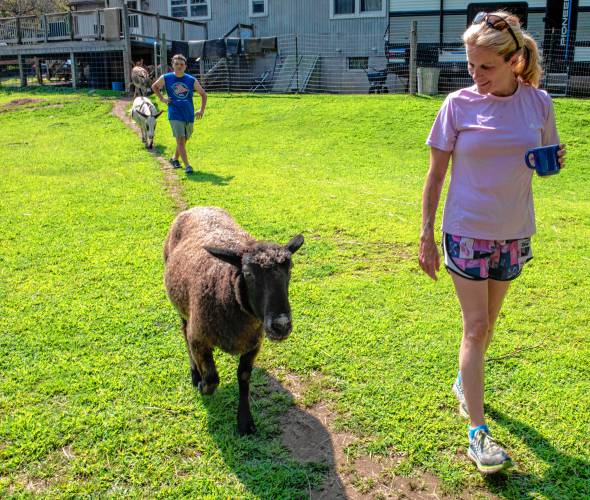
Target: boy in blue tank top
[{"x": 180, "y": 88}]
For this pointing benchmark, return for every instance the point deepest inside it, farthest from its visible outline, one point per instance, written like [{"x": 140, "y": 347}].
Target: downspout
[{"x": 442, "y": 24}]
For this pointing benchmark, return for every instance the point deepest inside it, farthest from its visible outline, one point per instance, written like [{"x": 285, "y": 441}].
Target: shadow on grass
[
  {"x": 262, "y": 461},
  {"x": 565, "y": 477},
  {"x": 218, "y": 180}
]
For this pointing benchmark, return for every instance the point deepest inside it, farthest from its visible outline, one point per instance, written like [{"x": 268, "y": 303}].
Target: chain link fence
[{"x": 402, "y": 60}]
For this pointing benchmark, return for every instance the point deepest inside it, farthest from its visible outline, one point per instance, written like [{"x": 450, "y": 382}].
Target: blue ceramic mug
[{"x": 544, "y": 160}]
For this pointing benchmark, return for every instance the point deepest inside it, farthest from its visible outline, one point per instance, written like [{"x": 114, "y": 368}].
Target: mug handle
[{"x": 526, "y": 159}]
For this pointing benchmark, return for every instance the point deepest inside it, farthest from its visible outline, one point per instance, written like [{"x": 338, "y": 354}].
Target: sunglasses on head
[{"x": 495, "y": 22}]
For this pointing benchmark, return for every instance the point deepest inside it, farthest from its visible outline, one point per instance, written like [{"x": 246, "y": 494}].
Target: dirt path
[{"x": 171, "y": 181}]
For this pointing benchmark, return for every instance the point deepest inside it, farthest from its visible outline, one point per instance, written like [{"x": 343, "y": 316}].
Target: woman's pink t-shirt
[{"x": 490, "y": 195}]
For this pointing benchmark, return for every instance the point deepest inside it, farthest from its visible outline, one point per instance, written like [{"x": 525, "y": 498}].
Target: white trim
[
  {"x": 258, "y": 14},
  {"x": 188, "y": 10},
  {"x": 357, "y": 11}
]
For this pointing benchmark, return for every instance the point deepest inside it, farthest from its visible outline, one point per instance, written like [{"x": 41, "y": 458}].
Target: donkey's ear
[
  {"x": 226, "y": 255},
  {"x": 295, "y": 243}
]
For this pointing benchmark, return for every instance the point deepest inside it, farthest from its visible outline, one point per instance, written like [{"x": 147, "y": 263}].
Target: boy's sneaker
[
  {"x": 458, "y": 390},
  {"x": 488, "y": 456},
  {"x": 188, "y": 169},
  {"x": 175, "y": 163}
]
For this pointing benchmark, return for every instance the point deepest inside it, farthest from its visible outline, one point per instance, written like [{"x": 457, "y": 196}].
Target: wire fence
[{"x": 402, "y": 61}]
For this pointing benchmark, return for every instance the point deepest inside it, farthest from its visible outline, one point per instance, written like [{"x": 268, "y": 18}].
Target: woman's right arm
[{"x": 429, "y": 257}]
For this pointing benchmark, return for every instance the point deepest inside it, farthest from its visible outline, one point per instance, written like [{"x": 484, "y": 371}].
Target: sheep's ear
[
  {"x": 295, "y": 243},
  {"x": 226, "y": 255}
]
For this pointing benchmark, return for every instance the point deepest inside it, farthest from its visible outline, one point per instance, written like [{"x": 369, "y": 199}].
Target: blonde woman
[{"x": 488, "y": 217}]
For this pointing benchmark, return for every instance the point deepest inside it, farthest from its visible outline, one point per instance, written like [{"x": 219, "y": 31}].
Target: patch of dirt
[
  {"x": 171, "y": 182},
  {"x": 310, "y": 436},
  {"x": 15, "y": 103}
]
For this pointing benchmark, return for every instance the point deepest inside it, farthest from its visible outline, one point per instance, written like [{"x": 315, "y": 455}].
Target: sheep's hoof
[
  {"x": 195, "y": 377},
  {"x": 247, "y": 427},
  {"x": 206, "y": 389}
]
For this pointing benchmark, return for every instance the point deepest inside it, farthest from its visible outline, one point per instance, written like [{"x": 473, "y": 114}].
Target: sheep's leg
[
  {"x": 206, "y": 366},
  {"x": 195, "y": 374},
  {"x": 202, "y": 356},
  {"x": 245, "y": 420}
]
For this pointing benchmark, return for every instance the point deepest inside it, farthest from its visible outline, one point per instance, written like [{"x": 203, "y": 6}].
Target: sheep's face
[
  {"x": 266, "y": 271},
  {"x": 267, "y": 289}
]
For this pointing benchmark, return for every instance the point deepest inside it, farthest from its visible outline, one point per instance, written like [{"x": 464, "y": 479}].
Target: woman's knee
[{"x": 476, "y": 330}]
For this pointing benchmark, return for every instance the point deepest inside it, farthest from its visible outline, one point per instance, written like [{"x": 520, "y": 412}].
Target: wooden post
[
  {"x": 71, "y": 23},
  {"x": 413, "y": 56},
  {"x": 164, "y": 54},
  {"x": 127, "y": 63},
  {"x": 38, "y": 73},
  {"x": 19, "y": 38},
  {"x": 21, "y": 71},
  {"x": 45, "y": 29},
  {"x": 157, "y": 60},
  {"x": 74, "y": 68}
]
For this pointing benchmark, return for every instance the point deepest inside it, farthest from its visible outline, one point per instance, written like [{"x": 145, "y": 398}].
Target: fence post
[
  {"x": 71, "y": 23},
  {"x": 127, "y": 64},
  {"x": 156, "y": 61},
  {"x": 45, "y": 29},
  {"x": 74, "y": 69},
  {"x": 38, "y": 73},
  {"x": 413, "y": 56},
  {"x": 297, "y": 62},
  {"x": 21, "y": 71},
  {"x": 19, "y": 38}
]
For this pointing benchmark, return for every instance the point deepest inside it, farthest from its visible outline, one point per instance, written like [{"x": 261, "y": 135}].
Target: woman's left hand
[{"x": 561, "y": 155}]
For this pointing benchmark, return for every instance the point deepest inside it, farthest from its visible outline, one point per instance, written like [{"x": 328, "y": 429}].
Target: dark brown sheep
[{"x": 228, "y": 289}]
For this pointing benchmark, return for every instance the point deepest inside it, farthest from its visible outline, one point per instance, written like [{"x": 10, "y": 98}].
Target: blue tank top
[{"x": 180, "y": 92}]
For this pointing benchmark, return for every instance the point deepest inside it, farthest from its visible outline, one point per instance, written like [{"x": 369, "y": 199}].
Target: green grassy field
[{"x": 95, "y": 396}]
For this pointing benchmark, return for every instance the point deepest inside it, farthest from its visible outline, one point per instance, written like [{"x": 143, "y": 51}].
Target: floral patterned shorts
[{"x": 476, "y": 259}]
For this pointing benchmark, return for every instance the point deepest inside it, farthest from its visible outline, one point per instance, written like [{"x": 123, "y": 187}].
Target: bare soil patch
[
  {"x": 310, "y": 436},
  {"x": 15, "y": 103}
]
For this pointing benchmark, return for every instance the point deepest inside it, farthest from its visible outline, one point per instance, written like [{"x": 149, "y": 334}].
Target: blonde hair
[{"x": 528, "y": 68}]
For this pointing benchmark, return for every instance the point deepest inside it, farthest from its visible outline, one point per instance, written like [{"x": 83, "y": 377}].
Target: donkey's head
[{"x": 264, "y": 274}]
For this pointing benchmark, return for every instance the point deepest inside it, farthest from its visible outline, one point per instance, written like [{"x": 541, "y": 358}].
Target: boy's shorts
[
  {"x": 181, "y": 129},
  {"x": 477, "y": 259}
]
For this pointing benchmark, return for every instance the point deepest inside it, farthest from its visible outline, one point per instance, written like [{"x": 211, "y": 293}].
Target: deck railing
[{"x": 90, "y": 25}]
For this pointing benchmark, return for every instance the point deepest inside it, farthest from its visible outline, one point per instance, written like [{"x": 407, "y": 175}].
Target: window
[
  {"x": 358, "y": 63},
  {"x": 258, "y": 8},
  {"x": 343, "y": 7},
  {"x": 199, "y": 9},
  {"x": 357, "y": 8}
]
